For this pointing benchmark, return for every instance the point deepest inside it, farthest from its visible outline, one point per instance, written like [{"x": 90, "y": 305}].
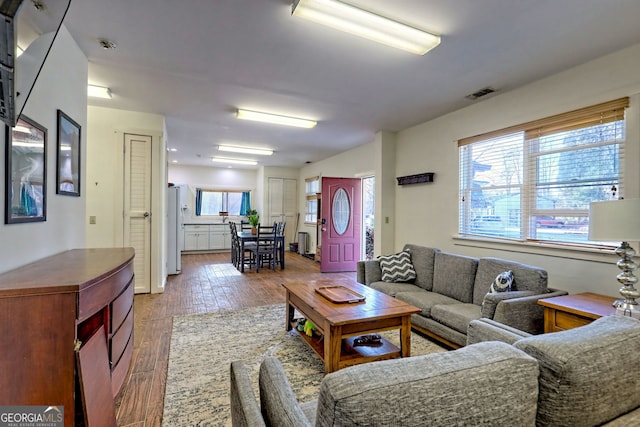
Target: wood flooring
[{"x": 208, "y": 282}]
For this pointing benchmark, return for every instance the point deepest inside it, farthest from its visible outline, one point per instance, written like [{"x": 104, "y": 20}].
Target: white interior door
[
  {"x": 137, "y": 206},
  {"x": 283, "y": 204}
]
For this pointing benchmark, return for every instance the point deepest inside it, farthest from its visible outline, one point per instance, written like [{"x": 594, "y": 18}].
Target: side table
[{"x": 571, "y": 311}]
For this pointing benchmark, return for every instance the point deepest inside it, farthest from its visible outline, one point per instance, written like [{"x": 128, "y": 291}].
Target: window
[
  {"x": 213, "y": 202},
  {"x": 535, "y": 181},
  {"x": 312, "y": 188}
]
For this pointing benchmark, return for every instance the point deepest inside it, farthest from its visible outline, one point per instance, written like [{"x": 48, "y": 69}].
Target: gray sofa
[
  {"x": 453, "y": 289},
  {"x": 582, "y": 377}
]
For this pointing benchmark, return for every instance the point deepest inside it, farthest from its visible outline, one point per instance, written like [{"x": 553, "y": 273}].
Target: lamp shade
[{"x": 615, "y": 221}]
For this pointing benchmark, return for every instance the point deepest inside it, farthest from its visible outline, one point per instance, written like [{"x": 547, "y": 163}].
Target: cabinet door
[
  {"x": 227, "y": 240},
  {"x": 216, "y": 240},
  {"x": 190, "y": 240},
  {"x": 203, "y": 241}
]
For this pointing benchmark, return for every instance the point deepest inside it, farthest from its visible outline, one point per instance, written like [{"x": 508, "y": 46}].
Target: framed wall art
[
  {"x": 68, "y": 156},
  {"x": 26, "y": 172}
]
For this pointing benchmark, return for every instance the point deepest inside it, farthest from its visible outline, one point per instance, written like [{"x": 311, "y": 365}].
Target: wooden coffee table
[{"x": 340, "y": 323}]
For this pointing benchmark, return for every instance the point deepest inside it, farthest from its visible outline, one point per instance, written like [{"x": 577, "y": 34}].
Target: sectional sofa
[
  {"x": 453, "y": 290},
  {"x": 580, "y": 377}
]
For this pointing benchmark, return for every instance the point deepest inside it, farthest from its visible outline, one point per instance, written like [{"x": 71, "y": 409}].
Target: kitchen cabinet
[
  {"x": 207, "y": 237},
  {"x": 219, "y": 236},
  {"x": 196, "y": 237}
]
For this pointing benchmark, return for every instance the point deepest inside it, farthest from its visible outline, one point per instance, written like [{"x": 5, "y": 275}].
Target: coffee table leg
[
  {"x": 289, "y": 313},
  {"x": 405, "y": 337},
  {"x": 332, "y": 348}
]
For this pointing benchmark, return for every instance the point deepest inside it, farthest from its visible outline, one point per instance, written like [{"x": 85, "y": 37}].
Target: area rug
[{"x": 203, "y": 346}]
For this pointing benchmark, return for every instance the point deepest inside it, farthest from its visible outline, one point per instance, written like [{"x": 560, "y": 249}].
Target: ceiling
[{"x": 196, "y": 62}]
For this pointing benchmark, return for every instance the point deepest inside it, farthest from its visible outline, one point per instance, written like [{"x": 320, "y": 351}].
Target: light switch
[{"x": 92, "y": 219}]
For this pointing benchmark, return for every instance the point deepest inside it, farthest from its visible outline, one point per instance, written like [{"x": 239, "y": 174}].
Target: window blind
[{"x": 535, "y": 181}]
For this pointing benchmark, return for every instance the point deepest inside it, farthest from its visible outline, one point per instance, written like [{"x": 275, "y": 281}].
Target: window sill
[{"x": 603, "y": 254}]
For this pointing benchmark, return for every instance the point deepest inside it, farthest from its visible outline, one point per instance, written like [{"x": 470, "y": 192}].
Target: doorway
[
  {"x": 341, "y": 224},
  {"x": 368, "y": 218},
  {"x": 137, "y": 206}
]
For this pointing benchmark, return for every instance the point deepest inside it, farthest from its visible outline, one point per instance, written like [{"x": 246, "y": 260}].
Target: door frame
[{"x": 353, "y": 231}]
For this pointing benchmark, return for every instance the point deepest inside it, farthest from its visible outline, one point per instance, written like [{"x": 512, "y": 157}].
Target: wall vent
[{"x": 479, "y": 94}]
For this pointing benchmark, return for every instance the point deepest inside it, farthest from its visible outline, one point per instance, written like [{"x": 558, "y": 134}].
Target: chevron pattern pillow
[{"x": 397, "y": 267}]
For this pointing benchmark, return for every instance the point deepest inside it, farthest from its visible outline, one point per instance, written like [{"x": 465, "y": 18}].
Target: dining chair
[
  {"x": 265, "y": 248},
  {"x": 280, "y": 241},
  {"x": 237, "y": 256}
]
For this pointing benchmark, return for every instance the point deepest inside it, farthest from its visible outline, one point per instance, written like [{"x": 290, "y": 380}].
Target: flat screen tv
[{"x": 28, "y": 29}]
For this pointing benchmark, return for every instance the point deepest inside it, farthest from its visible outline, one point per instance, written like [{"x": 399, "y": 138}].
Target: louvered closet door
[
  {"x": 137, "y": 206},
  {"x": 283, "y": 204}
]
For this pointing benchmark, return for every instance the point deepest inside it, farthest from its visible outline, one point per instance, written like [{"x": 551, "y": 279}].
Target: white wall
[
  {"x": 365, "y": 160},
  {"x": 62, "y": 84},
  {"x": 210, "y": 178},
  {"x": 428, "y": 213},
  {"x": 104, "y": 183}
]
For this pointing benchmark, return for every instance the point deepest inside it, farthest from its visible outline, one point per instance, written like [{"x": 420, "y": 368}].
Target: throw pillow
[
  {"x": 397, "y": 267},
  {"x": 502, "y": 282}
]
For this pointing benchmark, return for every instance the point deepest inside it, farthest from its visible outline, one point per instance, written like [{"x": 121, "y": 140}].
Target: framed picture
[
  {"x": 68, "y": 156},
  {"x": 26, "y": 172}
]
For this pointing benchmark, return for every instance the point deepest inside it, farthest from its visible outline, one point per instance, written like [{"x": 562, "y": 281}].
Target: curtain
[
  {"x": 245, "y": 205},
  {"x": 198, "y": 201}
]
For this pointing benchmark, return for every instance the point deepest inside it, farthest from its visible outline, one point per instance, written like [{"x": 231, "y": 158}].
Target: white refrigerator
[{"x": 175, "y": 231}]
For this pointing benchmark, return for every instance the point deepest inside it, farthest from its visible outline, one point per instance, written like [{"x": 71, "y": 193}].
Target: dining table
[{"x": 248, "y": 236}]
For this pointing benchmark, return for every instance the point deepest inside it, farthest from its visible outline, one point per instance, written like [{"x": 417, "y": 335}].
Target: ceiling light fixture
[
  {"x": 98, "y": 92},
  {"x": 275, "y": 118},
  {"x": 234, "y": 161},
  {"x": 245, "y": 150},
  {"x": 344, "y": 17}
]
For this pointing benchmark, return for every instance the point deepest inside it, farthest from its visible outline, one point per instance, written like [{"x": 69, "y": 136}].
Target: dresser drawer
[
  {"x": 564, "y": 321},
  {"x": 120, "y": 338},
  {"x": 98, "y": 295},
  {"x": 121, "y": 306},
  {"x": 120, "y": 368}
]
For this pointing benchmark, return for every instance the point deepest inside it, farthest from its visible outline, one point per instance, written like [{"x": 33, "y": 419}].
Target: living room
[{"x": 426, "y": 214}]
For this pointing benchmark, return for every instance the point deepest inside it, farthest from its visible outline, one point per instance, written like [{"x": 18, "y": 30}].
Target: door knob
[{"x": 146, "y": 214}]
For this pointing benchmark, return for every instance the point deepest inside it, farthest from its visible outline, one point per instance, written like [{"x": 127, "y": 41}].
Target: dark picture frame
[
  {"x": 26, "y": 172},
  {"x": 68, "y": 156}
]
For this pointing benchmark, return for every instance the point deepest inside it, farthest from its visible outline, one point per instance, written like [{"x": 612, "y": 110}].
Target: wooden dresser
[
  {"x": 48, "y": 310},
  {"x": 571, "y": 311}
]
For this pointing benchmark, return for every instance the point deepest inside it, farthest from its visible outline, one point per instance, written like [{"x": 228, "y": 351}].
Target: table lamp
[{"x": 615, "y": 221}]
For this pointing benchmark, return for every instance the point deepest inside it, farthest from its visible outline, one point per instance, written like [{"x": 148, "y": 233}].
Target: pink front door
[{"x": 341, "y": 219}]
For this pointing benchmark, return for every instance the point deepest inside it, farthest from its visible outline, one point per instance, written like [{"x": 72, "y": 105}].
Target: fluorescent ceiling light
[
  {"x": 245, "y": 150},
  {"x": 234, "y": 161},
  {"x": 98, "y": 92},
  {"x": 344, "y": 17},
  {"x": 275, "y": 118}
]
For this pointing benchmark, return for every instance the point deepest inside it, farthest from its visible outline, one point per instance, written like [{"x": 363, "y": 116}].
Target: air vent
[
  {"x": 482, "y": 92},
  {"x": 107, "y": 44}
]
